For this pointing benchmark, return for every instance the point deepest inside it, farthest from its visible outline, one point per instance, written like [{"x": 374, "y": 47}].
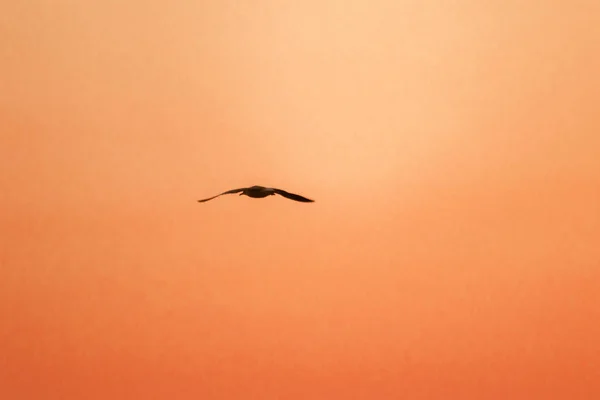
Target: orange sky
[{"x": 453, "y": 250}]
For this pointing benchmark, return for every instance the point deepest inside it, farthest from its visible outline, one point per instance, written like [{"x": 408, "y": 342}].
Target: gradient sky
[{"x": 452, "y": 148}]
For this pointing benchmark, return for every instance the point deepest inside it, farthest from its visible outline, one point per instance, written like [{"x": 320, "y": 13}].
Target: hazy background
[{"x": 452, "y": 148}]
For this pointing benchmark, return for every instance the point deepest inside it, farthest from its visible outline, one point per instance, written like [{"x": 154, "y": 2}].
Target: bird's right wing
[
  {"x": 227, "y": 192},
  {"x": 292, "y": 196}
]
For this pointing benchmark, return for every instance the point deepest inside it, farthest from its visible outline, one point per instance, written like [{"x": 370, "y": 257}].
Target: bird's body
[{"x": 258, "y": 192}]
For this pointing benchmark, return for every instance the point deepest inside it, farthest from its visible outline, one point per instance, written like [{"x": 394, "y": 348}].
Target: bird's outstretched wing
[
  {"x": 227, "y": 192},
  {"x": 292, "y": 196}
]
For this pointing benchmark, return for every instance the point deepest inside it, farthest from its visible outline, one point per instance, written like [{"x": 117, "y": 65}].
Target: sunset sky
[{"x": 452, "y": 148}]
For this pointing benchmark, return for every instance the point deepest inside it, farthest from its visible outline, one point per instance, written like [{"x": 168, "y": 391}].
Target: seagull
[{"x": 258, "y": 192}]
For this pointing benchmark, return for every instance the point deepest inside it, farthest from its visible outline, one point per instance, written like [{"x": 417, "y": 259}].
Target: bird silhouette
[{"x": 259, "y": 192}]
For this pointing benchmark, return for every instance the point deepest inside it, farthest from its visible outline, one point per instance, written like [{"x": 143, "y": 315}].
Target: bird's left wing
[{"x": 227, "y": 192}]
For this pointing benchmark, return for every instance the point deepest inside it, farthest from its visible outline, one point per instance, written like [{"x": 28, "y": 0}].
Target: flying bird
[{"x": 258, "y": 192}]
